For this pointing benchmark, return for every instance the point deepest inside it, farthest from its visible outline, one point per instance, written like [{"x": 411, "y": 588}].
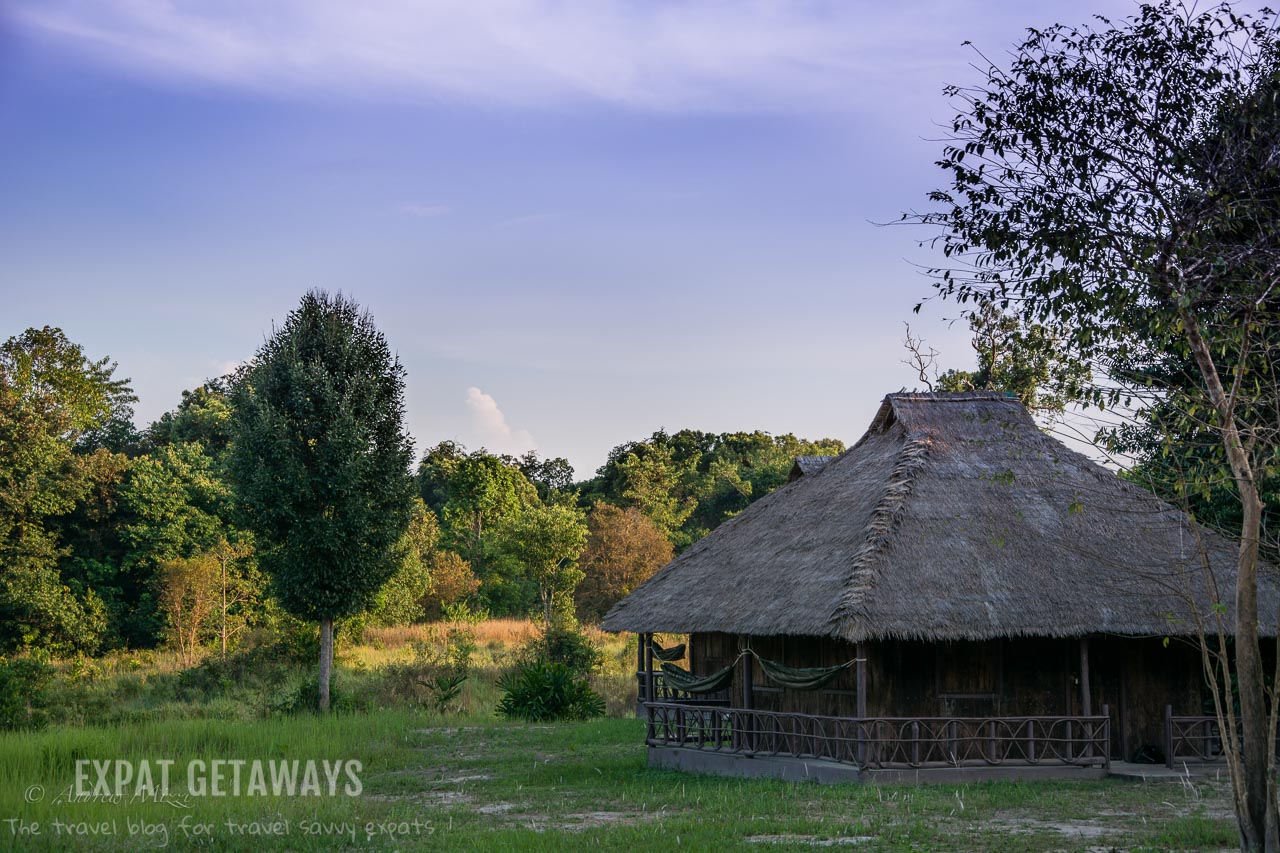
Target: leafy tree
[
  {"x": 483, "y": 490},
  {"x": 176, "y": 506},
  {"x": 549, "y": 476},
  {"x": 187, "y": 588},
  {"x": 1118, "y": 185},
  {"x": 436, "y": 472},
  {"x": 94, "y": 549},
  {"x": 428, "y": 577},
  {"x": 1021, "y": 360},
  {"x": 51, "y": 397},
  {"x": 239, "y": 587},
  {"x": 321, "y": 462},
  {"x": 650, "y": 483},
  {"x": 452, "y": 581},
  {"x": 623, "y": 549},
  {"x": 203, "y": 417},
  {"x": 548, "y": 540},
  {"x": 698, "y": 479}
]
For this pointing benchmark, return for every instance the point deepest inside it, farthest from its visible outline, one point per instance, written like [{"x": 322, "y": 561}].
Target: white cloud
[
  {"x": 490, "y": 426},
  {"x": 701, "y": 54}
]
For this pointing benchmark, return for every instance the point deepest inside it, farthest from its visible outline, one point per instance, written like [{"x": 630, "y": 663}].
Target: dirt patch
[
  {"x": 810, "y": 840},
  {"x": 457, "y": 780},
  {"x": 429, "y": 798},
  {"x": 1077, "y": 829},
  {"x": 495, "y": 808},
  {"x": 580, "y": 821}
]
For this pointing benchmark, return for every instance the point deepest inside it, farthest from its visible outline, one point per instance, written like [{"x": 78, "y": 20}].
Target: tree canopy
[
  {"x": 1116, "y": 185},
  {"x": 321, "y": 461}
]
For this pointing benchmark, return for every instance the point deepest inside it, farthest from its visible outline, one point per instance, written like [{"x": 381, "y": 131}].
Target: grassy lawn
[{"x": 472, "y": 782}]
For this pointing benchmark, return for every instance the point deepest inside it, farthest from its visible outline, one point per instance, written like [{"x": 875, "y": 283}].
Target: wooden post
[
  {"x": 1086, "y": 701},
  {"x": 861, "y": 652},
  {"x": 748, "y": 740},
  {"x": 648, "y": 667},
  {"x": 640, "y": 676},
  {"x": 1168, "y": 736},
  {"x": 1106, "y": 742}
]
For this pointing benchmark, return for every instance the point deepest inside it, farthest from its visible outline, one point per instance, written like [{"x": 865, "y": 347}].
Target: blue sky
[{"x": 576, "y": 223}]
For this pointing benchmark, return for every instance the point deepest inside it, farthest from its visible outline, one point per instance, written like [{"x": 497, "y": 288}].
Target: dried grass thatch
[{"x": 954, "y": 517}]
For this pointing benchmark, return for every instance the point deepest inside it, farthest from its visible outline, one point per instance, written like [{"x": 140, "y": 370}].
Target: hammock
[
  {"x": 672, "y": 654},
  {"x": 682, "y": 679},
  {"x": 798, "y": 678}
]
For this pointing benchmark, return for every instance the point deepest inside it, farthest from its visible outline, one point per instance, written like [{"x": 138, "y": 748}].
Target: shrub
[
  {"x": 460, "y": 611},
  {"x": 23, "y": 682},
  {"x": 441, "y": 665},
  {"x": 563, "y": 643},
  {"x": 546, "y": 691},
  {"x": 345, "y": 696}
]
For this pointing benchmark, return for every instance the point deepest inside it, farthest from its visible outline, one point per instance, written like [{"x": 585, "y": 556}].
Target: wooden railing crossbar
[{"x": 884, "y": 742}]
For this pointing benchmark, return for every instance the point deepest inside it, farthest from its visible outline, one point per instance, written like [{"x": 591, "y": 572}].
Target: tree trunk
[
  {"x": 224, "y": 609},
  {"x": 326, "y": 661},
  {"x": 1254, "y": 724},
  {"x": 1259, "y": 828}
]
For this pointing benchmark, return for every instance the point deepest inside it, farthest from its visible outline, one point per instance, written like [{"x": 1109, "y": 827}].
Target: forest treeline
[{"x": 118, "y": 537}]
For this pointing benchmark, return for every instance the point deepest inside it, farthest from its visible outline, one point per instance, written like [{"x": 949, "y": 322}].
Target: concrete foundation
[{"x": 833, "y": 772}]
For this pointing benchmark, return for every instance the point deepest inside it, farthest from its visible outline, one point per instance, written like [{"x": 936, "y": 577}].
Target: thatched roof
[
  {"x": 954, "y": 517},
  {"x": 808, "y": 465}
]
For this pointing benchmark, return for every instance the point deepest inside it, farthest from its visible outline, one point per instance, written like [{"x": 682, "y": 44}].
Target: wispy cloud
[
  {"x": 529, "y": 219},
  {"x": 701, "y": 54},
  {"x": 425, "y": 211},
  {"x": 491, "y": 428}
]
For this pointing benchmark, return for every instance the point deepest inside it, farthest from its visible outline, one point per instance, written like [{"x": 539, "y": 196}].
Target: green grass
[
  {"x": 471, "y": 781},
  {"x": 477, "y": 783}
]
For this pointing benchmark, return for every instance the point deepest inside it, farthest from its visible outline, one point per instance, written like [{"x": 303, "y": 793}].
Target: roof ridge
[{"x": 880, "y": 527}]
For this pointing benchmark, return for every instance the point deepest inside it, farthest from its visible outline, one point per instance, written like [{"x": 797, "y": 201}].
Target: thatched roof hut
[{"x": 954, "y": 518}]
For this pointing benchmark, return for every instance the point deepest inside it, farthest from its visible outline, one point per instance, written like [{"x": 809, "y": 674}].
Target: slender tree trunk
[
  {"x": 1259, "y": 828},
  {"x": 224, "y": 609},
  {"x": 326, "y": 662}
]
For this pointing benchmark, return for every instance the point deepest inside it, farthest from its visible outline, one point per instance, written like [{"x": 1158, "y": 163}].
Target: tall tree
[
  {"x": 1119, "y": 185},
  {"x": 176, "y": 506},
  {"x": 548, "y": 540},
  {"x": 651, "y": 484},
  {"x": 204, "y": 416},
  {"x": 690, "y": 481},
  {"x": 550, "y": 476},
  {"x": 624, "y": 548},
  {"x": 321, "y": 462},
  {"x": 51, "y": 397}
]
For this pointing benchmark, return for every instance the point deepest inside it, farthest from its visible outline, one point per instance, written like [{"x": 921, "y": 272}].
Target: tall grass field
[{"x": 393, "y": 773}]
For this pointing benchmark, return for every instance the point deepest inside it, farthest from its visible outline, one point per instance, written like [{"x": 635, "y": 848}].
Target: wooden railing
[
  {"x": 884, "y": 742},
  {"x": 1191, "y": 738},
  {"x": 663, "y": 692}
]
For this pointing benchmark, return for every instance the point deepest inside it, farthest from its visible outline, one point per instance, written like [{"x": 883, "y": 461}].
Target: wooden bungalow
[{"x": 957, "y": 593}]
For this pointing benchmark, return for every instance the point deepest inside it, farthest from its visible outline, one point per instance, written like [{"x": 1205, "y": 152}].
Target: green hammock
[
  {"x": 673, "y": 653},
  {"x": 682, "y": 679},
  {"x": 797, "y": 678}
]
